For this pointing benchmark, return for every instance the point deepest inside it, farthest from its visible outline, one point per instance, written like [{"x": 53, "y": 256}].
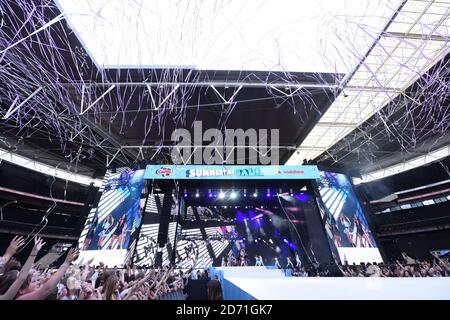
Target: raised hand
[
  {"x": 38, "y": 244},
  {"x": 15, "y": 244},
  {"x": 90, "y": 262},
  {"x": 73, "y": 253}
]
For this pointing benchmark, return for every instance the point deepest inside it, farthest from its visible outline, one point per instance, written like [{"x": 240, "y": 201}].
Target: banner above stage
[{"x": 179, "y": 172}]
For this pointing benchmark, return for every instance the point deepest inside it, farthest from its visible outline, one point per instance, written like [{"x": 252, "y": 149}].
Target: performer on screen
[
  {"x": 359, "y": 231},
  {"x": 106, "y": 226},
  {"x": 92, "y": 227},
  {"x": 345, "y": 221},
  {"x": 118, "y": 234}
]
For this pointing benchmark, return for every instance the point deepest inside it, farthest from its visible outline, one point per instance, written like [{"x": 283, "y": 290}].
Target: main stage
[{"x": 261, "y": 283}]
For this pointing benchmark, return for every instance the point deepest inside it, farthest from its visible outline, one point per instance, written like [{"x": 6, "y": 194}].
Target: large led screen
[
  {"x": 112, "y": 227},
  {"x": 344, "y": 220}
]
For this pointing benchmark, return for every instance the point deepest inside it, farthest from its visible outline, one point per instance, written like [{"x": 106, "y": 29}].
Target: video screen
[
  {"x": 147, "y": 244},
  {"x": 113, "y": 225},
  {"x": 344, "y": 220}
]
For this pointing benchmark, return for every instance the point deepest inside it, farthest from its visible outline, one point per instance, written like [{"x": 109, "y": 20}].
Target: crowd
[
  {"x": 85, "y": 282},
  {"x": 435, "y": 268}
]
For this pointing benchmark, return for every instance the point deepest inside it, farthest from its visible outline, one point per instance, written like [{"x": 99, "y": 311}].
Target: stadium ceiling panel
[
  {"x": 416, "y": 162},
  {"x": 414, "y": 41},
  {"x": 35, "y": 165}
]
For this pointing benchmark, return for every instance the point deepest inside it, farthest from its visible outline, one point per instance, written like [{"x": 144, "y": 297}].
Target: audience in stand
[{"x": 435, "y": 268}]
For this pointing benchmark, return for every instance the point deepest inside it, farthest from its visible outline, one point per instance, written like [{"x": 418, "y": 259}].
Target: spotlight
[
  {"x": 233, "y": 195},
  {"x": 185, "y": 195},
  {"x": 270, "y": 220},
  {"x": 197, "y": 194},
  {"x": 221, "y": 194},
  {"x": 225, "y": 207},
  {"x": 255, "y": 195},
  {"x": 246, "y": 207}
]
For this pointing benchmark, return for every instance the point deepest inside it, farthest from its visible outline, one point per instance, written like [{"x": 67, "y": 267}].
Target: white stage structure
[{"x": 276, "y": 286}]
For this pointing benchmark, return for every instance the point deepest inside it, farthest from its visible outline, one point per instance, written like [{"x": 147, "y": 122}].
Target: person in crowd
[
  {"x": 12, "y": 281},
  {"x": 31, "y": 289},
  {"x": 214, "y": 289},
  {"x": 14, "y": 245}
]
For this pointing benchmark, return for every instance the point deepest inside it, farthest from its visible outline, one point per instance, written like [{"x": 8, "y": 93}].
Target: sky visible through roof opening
[{"x": 289, "y": 36}]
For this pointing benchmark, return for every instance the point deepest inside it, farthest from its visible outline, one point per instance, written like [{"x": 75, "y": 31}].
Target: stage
[{"x": 247, "y": 283}]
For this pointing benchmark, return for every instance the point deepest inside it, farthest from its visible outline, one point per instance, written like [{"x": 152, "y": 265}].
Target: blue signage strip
[{"x": 179, "y": 172}]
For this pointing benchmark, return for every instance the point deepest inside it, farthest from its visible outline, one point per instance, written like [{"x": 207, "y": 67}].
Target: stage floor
[{"x": 276, "y": 287}]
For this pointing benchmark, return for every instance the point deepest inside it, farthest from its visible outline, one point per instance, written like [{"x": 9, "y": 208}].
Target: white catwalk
[{"x": 275, "y": 287}]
